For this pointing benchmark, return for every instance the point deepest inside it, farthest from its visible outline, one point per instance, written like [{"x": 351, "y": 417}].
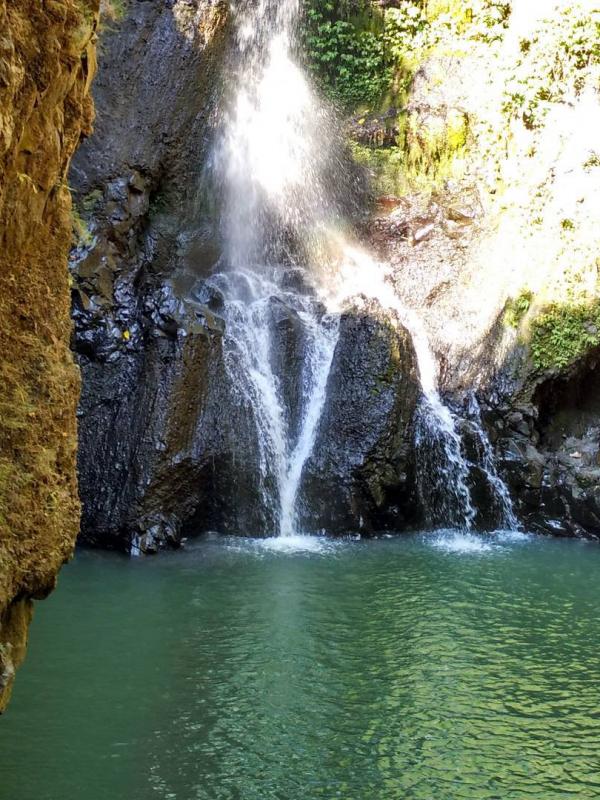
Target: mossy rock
[
  {"x": 563, "y": 333},
  {"x": 428, "y": 152}
]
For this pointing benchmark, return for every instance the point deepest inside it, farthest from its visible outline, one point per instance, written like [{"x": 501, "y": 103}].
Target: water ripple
[{"x": 435, "y": 666}]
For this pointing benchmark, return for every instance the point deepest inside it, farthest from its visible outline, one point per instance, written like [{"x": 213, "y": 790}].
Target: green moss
[
  {"x": 517, "y": 308},
  {"x": 564, "y": 333},
  {"x": 427, "y": 154},
  {"x": 385, "y": 167},
  {"x": 91, "y": 200},
  {"x": 82, "y": 235},
  {"x": 431, "y": 146}
]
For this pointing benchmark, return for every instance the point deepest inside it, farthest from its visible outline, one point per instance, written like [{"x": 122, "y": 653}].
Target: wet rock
[
  {"x": 361, "y": 476},
  {"x": 287, "y": 358},
  {"x": 148, "y": 332},
  {"x": 551, "y": 453},
  {"x": 423, "y": 232},
  {"x": 165, "y": 444}
]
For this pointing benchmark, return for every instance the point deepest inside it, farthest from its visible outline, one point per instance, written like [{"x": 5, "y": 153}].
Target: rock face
[
  {"x": 361, "y": 475},
  {"x": 148, "y": 350},
  {"x": 168, "y": 443},
  {"x": 547, "y": 442},
  {"x": 47, "y": 61}
]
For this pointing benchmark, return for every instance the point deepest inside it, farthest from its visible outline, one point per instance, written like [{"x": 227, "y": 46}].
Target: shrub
[
  {"x": 347, "y": 59},
  {"x": 564, "y": 333},
  {"x": 517, "y": 308}
]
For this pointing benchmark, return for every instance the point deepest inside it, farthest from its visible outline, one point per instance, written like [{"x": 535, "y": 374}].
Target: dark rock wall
[
  {"x": 47, "y": 61},
  {"x": 143, "y": 353},
  {"x": 361, "y": 475},
  {"x": 546, "y": 435}
]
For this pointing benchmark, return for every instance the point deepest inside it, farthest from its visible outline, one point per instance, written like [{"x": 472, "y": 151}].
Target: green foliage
[
  {"x": 564, "y": 333},
  {"x": 553, "y": 64},
  {"x": 347, "y": 59},
  {"x": 425, "y": 156},
  {"x": 386, "y": 166},
  {"x": 517, "y": 308},
  {"x": 360, "y": 53}
]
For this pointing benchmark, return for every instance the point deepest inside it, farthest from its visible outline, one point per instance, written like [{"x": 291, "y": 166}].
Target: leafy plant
[
  {"x": 517, "y": 308},
  {"x": 553, "y": 64},
  {"x": 347, "y": 59},
  {"x": 564, "y": 333},
  {"x": 358, "y": 52}
]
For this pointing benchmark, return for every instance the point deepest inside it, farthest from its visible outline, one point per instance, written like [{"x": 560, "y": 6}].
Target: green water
[{"x": 428, "y": 667}]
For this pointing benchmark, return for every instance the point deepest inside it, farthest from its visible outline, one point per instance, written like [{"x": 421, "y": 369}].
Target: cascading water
[
  {"x": 507, "y": 517},
  {"x": 285, "y": 432},
  {"x": 442, "y": 469},
  {"x": 271, "y": 161},
  {"x": 274, "y": 161}
]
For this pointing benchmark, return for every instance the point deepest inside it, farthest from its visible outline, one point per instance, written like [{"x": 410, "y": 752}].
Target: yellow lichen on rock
[{"x": 47, "y": 61}]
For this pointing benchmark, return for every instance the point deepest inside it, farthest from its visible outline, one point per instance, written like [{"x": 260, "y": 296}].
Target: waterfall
[
  {"x": 274, "y": 163},
  {"x": 442, "y": 468},
  {"x": 500, "y": 491},
  {"x": 273, "y": 153},
  {"x": 270, "y": 160}
]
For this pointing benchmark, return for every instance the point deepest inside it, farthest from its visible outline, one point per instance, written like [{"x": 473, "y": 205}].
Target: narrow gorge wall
[{"x": 47, "y": 62}]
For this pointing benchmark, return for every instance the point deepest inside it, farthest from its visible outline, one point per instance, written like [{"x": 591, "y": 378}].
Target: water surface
[{"x": 438, "y": 666}]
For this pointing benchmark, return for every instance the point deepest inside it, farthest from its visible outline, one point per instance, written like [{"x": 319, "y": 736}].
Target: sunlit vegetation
[
  {"x": 564, "y": 333},
  {"x": 517, "y": 308},
  {"x": 363, "y": 55},
  {"x": 553, "y": 64},
  {"x": 423, "y": 157}
]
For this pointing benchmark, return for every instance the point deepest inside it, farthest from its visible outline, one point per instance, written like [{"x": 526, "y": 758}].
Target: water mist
[{"x": 275, "y": 163}]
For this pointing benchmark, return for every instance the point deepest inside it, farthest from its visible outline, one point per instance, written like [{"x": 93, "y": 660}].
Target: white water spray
[
  {"x": 508, "y": 519},
  {"x": 273, "y": 160}
]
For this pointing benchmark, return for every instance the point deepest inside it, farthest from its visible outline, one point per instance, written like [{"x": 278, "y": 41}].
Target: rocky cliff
[
  {"x": 484, "y": 167},
  {"x": 168, "y": 443},
  {"x": 144, "y": 342},
  {"x": 467, "y": 118},
  {"x": 47, "y": 61}
]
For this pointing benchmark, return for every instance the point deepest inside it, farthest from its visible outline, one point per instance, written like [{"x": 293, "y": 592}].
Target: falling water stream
[{"x": 272, "y": 159}]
